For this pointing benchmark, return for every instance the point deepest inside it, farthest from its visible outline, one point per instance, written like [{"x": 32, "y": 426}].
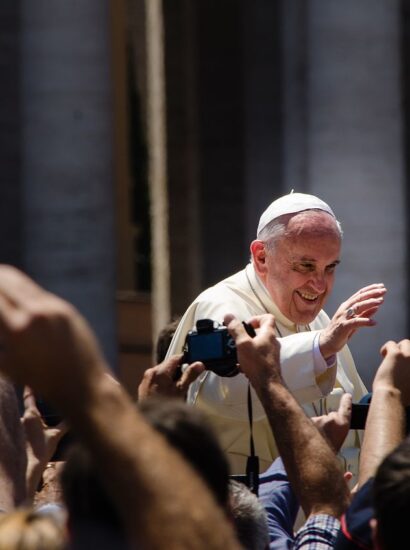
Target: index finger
[
  {"x": 235, "y": 327},
  {"x": 389, "y": 347},
  {"x": 16, "y": 286},
  {"x": 345, "y": 406},
  {"x": 171, "y": 364},
  {"x": 190, "y": 374},
  {"x": 29, "y": 398},
  {"x": 258, "y": 320}
]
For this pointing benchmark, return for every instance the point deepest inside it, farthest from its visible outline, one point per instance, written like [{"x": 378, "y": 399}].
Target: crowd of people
[{"x": 170, "y": 468}]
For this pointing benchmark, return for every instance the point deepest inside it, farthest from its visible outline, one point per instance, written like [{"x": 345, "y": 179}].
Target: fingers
[
  {"x": 404, "y": 346},
  {"x": 228, "y": 318},
  {"x": 373, "y": 289},
  {"x": 189, "y": 375},
  {"x": 365, "y": 298},
  {"x": 235, "y": 327},
  {"x": 389, "y": 347},
  {"x": 170, "y": 365},
  {"x": 59, "y": 430},
  {"x": 29, "y": 399},
  {"x": 15, "y": 286},
  {"x": 345, "y": 407}
]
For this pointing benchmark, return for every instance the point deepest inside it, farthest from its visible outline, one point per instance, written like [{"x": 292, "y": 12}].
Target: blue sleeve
[{"x": 280, "y": 505}]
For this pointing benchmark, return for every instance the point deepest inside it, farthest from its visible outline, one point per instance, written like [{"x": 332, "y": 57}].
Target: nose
[{"x": 318, "y": 282}]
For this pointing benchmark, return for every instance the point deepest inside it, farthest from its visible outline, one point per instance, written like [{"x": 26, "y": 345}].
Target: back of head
[
  {"x": 165, "y": 338},
  {"x": 92, "y": 516},
  {"x": 26, "y": 529},
  {"x": 249, "y": 517},
  {"x": 186, "y": 429},
  {"x": 391, "y": 493}
]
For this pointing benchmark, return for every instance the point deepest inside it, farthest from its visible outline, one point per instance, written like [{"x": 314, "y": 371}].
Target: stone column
[
  {"x": 262, "y": 98},
  {"x": 352, "y": 153},
  {"x": 67, "y": 151},
  {"x": 10, "y": 135}
]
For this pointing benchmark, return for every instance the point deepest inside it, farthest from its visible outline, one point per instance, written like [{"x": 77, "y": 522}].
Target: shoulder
[
  {"x": 319, "y": 531},
  {"x": 227, "y": 296}
]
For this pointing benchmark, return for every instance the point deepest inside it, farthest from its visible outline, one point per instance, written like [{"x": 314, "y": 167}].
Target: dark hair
[
  {"x": 186, "y": 429},
  {"x": 92, "y": 514},
  {"x": 391, "y": 495},
  {"x": 165, "y": 338}
]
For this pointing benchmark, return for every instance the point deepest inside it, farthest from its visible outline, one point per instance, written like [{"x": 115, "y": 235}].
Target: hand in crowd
[
  {"x": 336, "y": 425},
  {"x": 168, "y": 379},
  {"x": 394, "y": 371},
  {"x": 41, "y": 441},
  {"x": 354, "y": 313},
  {"x": 45, "y": 342},
  {"x": 48, "y": 345}
]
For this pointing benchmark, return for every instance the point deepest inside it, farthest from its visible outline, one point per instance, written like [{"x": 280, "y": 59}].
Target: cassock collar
[{"x": 264, "y": 297}]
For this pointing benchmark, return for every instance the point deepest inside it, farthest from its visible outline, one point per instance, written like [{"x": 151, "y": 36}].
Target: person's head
[
  {"x": 249, "y": 517},
  {"x": 391, "y": 499},
  {"x": 295, "y": 254},
  {"x": 187, "y": 429},
  {"x": 165, "y": 338},
  {"x": 27, "y": 529},
  {"x": 92, "y": 515}
]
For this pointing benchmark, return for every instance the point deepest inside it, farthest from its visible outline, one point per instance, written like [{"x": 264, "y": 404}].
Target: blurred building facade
[{"x": 258, "y": 97}]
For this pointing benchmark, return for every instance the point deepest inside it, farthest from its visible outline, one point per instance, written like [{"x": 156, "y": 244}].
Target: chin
[{"x": 304, "y": 318}]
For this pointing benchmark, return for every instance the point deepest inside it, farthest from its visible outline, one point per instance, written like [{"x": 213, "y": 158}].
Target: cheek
[{"x": 330, "y": 280}]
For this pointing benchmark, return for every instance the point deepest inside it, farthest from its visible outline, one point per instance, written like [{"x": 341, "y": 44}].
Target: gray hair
[
  {"x": 277, "y": 228},
  {"x": 249, "y": 515}
]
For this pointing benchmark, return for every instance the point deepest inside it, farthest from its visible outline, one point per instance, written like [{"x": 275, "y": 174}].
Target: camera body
[{"x": 211, "y": 344}]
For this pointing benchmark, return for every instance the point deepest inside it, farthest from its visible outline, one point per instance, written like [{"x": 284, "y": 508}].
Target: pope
[{"x": 291, "y": 274}]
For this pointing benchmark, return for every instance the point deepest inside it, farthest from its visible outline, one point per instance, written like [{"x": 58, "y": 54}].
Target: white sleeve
[{"x": 227, "y": 396}]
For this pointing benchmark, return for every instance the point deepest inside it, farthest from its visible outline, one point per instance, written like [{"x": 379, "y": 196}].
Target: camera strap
[{"x": 252, "y": 464}]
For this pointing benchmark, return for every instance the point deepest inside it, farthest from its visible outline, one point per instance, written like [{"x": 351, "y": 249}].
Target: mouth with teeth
[{"x": 308, "y": 297}]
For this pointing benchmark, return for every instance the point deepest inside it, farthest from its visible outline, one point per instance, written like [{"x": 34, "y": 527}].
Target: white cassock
[{"x": 225, "y": 399}]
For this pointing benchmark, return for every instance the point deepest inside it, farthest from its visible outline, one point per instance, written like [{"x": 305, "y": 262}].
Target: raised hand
[
  {"x": 258, "y": 356},
  {"x": 336, "y": 424},
  {"x": 41, "y": 441},
  {"x": 45, "y": 342},
  {"x": 164, "y": 379},
  {"x": 354, "y": 313},
  {"x": 394, "y": 371}
]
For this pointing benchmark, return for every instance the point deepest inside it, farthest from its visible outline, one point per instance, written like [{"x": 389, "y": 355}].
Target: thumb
[{"x": 235, "y": 327}]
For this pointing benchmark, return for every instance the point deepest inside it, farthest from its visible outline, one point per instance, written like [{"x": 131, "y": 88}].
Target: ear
[{"x": 259, "y": 257}]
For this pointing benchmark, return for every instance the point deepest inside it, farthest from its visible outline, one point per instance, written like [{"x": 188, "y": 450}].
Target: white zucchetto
[{"x": 290, "y": 204}]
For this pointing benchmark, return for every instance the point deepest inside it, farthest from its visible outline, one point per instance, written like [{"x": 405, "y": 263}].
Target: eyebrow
[{"x": 306, "y": 259}]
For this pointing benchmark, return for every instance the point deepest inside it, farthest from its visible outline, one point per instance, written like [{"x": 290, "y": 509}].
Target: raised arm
[
  {"x": 312, "y": 467},
  {"x": 385, "y": 425},
  {"x": 12, "y": 450},
  {"x": 48, "y": 345}
]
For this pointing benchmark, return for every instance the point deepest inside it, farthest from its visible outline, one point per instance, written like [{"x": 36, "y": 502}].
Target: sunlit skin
[{"x": 299, "y": 271}]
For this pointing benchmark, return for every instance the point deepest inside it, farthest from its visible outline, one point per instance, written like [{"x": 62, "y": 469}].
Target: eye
[
  {"x": 331, "y": 268},
  {"x": 304, "y": 267}
]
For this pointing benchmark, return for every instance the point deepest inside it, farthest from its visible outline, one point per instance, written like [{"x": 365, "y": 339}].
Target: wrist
[
  {"x": 326, "y": 349},
  {"x": 385, "y": 389}
]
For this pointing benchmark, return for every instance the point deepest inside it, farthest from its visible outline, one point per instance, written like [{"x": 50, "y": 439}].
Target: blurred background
[{"x": 142, "y": 139}]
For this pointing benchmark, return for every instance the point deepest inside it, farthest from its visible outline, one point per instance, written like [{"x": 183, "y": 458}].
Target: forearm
[
  {"x": 312, "y": 467},
  {"x": 148, "y": 480},
  {"x": 385, "y": 428}
]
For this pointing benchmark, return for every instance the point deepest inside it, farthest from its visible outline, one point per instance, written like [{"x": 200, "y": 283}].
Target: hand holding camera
[{"x": 212, "y": 344}]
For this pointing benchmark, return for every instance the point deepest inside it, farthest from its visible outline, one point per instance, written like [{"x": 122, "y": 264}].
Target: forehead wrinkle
[{"x": 312, "y": 224}]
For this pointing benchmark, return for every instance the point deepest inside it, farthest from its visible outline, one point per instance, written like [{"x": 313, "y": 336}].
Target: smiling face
[{"x": 298, "y": 268}]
